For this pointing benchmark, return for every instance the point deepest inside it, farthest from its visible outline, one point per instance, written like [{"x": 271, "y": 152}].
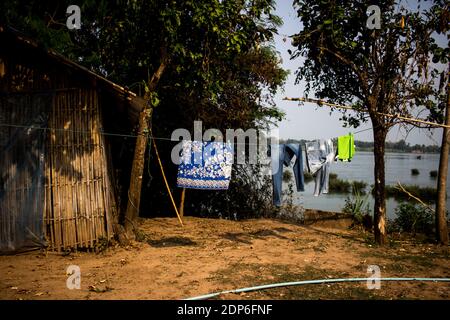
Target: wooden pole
[
  {"x": 441, "y": 209},
  {"x": 165, "y": 181},
  {"x": 181, "y": 210}
]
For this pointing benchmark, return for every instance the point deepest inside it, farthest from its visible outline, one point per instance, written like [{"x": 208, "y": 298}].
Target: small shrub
[
  {"x": 414, "y": 218},
  {"x": 433, "y": 174},
  {"x": 140, "y": 235},
  {"x": 359, "y": 186},
  {"x": 308, "y": 177},
  {"x": 333, "y": 176},
  {"x": 415, "y": 172},
  {"x": 424, "y": 193},
  {"x": 339, "y": 186},
  {"x": 287, "y": 176},
  {"x": 288, "y": 195},
  {"x": 358, "y": 207},
  {"x": 102, "y": 244}
]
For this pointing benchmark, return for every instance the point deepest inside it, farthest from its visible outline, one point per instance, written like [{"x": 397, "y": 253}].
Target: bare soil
[{"x": 210, "y": 255}]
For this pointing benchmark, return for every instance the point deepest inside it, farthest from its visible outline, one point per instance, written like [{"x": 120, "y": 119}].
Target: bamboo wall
[
  {"x": 55, "y": 173},
  {"x": 79, "y": 198},
  {"x": 56, "y": 187}
]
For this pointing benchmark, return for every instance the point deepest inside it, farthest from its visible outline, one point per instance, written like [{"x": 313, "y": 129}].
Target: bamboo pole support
[
  {"x": 181, "y": 210},
  {"x": 165, "y": 180}
]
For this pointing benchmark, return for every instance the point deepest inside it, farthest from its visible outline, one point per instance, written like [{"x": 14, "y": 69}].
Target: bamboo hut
[{"x": 61, "y": 171}]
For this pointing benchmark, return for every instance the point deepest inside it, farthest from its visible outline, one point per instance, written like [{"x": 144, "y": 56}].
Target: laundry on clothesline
[
  {"x": 345, "y": 147},
  {"x": 205, "y": 165},
  {"x": 319, "y": 156},
  {"x": 282, "y": 155}
]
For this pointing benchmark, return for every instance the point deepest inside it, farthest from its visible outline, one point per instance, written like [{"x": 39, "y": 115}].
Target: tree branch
[{"x": 362, "y": 76}]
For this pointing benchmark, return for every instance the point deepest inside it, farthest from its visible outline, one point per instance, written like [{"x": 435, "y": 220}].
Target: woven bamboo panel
[
  {"x": 78, "y": 204},
  {"x": 55, "y": 186}
]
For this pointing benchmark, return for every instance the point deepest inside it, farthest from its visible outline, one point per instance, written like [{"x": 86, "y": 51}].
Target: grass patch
[
  {"x": 343, "y": 186},
  {"x": 359, "y": 186},
  {"x": 424, "y": 193},
  {"x": 338, "y": 185},
  {"x": 425, "y": 260},
  {"x": 246, "y": 275}
]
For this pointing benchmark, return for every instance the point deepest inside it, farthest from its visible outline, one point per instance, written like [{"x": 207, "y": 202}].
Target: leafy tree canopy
[
  {"x": 222, "y": 68},
  {"x": 384, "y": 70}
]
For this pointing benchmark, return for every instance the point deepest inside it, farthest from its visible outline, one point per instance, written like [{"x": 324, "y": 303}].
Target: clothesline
[
  {"x": 113, "y": 134},
  {"x": 393, "y": 116}
]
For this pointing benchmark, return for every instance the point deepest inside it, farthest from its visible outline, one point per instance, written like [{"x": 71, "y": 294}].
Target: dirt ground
[{"x": 210, "y": 255}]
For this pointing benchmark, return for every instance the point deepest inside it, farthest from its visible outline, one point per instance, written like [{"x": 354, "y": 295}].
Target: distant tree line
[{"x": 400, "y": 146}]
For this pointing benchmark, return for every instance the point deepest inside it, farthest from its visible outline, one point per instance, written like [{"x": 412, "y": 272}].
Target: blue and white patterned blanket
[{"x": 205, "y": 165}]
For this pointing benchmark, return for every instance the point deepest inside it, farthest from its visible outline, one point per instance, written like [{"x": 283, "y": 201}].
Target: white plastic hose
[{"x": 298, "y": 283}]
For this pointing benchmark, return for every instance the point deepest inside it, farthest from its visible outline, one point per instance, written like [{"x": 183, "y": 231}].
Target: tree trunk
[
  {"x": 379, "y": 135},
  {"x": 134, "y": 191},
  {"x": 441, "y": 208},
  {"x": 137, "y": 170}
]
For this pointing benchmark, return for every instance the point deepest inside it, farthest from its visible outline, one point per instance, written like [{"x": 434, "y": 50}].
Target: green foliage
[
  {"x": 206, "y": 41},
  {"x": 308, "y": 177},
  {"x": 424, "y": 193},
  {"x": 358, "y": 206},
  {"x": 222, "y": 69},
  {"x": 359, "y": 186},
  {"x": 346, "y": 62},
  {"x": 288, "y": 196},
  {"x": 249, "y": 196},
  {"x": 102, "y": 244},
  {"x": 433, "y": 174},
  {"x": 337, "y": 185},
  {"x": 386, "y": 70},
  {"x": 413, "y": 218},
  {"x": 287, "y": 176}
]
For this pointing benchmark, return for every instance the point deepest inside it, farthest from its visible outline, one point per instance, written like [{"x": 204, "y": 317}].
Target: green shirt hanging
[{"x": 346, "y": 147}]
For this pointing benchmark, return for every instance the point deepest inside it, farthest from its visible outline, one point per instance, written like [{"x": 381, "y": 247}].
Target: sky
[{"x": 308, "y": 121}]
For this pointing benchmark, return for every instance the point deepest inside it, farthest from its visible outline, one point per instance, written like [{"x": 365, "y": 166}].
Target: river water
[{"x": 398, "y": 168}]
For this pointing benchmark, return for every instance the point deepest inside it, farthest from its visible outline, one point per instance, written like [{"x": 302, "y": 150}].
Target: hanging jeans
[
  {"x": 315, "y": 156},
  {"x": 322, "y": 179},
  {"x": 319, "y": 155},
  {"x": 282, "y": 154}
]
